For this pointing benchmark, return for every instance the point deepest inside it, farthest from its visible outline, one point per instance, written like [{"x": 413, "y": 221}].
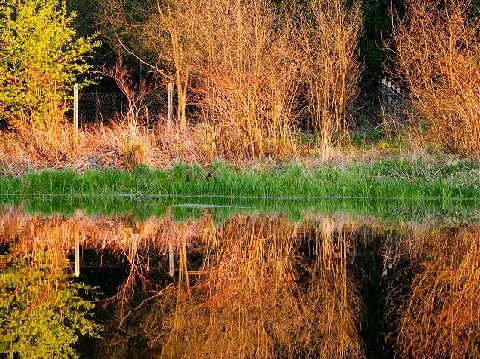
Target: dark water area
[{"x": 250, "y": 285}]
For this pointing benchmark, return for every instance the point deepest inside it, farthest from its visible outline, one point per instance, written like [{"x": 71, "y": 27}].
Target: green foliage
[
  {"x": 40, "y": 59},
  {"x": 387, "y": 179},
  {"x": 41, "y": 312}
]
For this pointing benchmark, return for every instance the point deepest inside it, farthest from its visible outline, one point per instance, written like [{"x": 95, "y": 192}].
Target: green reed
[{"x": 387, "y": 179}]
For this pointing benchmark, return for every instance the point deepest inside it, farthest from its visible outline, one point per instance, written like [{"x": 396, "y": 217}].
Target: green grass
[
  {"x": 395, "y": 189},
  {"x": 395, "y": 179}
]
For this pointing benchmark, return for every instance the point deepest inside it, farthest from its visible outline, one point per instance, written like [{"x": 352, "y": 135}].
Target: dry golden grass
[
  {"x": 437, "y": 51},
  {"x": 119, "y": 144}
]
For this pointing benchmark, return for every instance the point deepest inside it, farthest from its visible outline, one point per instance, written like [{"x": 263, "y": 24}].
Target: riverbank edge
[{"x": 387, "y": 179}]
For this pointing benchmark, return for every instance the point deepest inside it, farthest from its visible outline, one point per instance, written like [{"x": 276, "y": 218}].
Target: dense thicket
[
  {"x": 437, "y": 52},
  {"x": 254, "y": 73},
  {"x": 255, "y": 69}
]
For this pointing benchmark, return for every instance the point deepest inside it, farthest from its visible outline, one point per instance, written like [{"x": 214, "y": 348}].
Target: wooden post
[
  {"x": 77, "y": 257},
  {"x": 170, "y": 104},
  {"x": 171, "y": 261},
  {"x": 75, "y": 114}
]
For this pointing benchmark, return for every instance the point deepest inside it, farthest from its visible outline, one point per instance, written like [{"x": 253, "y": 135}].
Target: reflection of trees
[
  {"x": 138, "y": 244},
  {"x": 250, "y": 301},
  {"x": 41, "y": 312},
  {"x": 440, "y": 317},
  {"x": 251, "y": 287},
  {"x": 244, "y": 288},
  {"x": 332, "y": 298}
]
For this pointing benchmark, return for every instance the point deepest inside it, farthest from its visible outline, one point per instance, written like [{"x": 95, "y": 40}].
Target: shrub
[
  {"x": 40, "y": 59},
  {"x": 254, "y": 70},
  {"x": 437, "y": 52}
]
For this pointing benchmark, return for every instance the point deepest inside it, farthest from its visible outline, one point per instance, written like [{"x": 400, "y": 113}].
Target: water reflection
[
  {"x": 41, "y": 311},
  {"x": 252, "y": 286},
  {"x": 257, "y": 296},
  {"x": 439, "y": 316}
]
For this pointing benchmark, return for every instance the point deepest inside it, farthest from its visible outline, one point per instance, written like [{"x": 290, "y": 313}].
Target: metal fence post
[{"x": 77, "y": 256}]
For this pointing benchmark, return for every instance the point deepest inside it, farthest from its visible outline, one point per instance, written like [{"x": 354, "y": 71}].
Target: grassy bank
[{"x": 393, "y": 179}]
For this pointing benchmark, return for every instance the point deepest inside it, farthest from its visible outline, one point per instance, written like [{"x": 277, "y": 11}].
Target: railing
[{"x": 393, "y": 100}]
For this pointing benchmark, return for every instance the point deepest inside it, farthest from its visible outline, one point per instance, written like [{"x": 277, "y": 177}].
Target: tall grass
[
  {"x": 119, "y": 144},
  {"x": 436, "y": 49},
  {"x": 393, "y": 180}
]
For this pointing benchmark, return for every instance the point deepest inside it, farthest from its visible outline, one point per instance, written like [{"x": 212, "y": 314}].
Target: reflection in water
[
  {"x": 255, "y": 296},
  {"x": 41, "y": 312},
  {"x": 440, "y": 316},
  {"x": 254, "y": 286}
]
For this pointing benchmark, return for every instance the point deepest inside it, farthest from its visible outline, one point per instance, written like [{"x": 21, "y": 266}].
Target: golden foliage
[{"x": 437, "y": 51}]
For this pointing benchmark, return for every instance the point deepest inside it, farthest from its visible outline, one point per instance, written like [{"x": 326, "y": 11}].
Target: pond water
[{"x": 238, "y": 284}]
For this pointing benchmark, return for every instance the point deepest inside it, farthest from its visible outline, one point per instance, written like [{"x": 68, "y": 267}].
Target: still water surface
[{"x": 249, "y": 285}]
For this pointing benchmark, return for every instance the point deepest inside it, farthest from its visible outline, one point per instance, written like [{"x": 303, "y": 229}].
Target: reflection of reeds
[
  {"x": 332, "y": 298},
  {"x": 253, "y": 296},
  {"x": 250, "y": 302},
  {"x": 441, "y": 316},
  {"x": 245, "y": 300}
]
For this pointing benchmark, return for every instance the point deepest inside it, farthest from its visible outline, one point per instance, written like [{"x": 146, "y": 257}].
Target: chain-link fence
[{"x": 95, "y": 107}]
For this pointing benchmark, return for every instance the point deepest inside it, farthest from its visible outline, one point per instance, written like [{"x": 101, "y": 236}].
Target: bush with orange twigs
[{"x": 437, "y": 52}]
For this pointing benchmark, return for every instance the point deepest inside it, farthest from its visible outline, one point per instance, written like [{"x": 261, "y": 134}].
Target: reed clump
[
  {"x": 327, "y": 42},
  {"x": 437, "y": 46}
]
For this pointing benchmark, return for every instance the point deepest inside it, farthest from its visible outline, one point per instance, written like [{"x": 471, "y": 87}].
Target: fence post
[
  {"x": 170, "y": 104},
  {"x": 75, "y": 114}
]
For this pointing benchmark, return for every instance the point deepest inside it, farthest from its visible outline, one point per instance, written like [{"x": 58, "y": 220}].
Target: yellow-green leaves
[{"x": 41, "y": 57}]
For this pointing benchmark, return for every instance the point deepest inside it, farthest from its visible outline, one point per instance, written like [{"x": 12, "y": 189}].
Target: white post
[
  {"x": 77, "y": 257},
  {"x": 75, "y": 114},
  {"x": 170, "y": 104}
]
